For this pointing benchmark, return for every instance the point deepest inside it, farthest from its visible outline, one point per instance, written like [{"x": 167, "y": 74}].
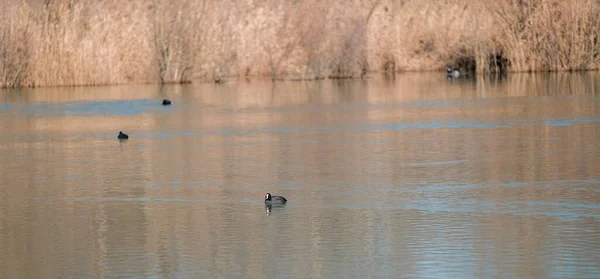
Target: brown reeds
[
  {"x": 548, "y": 35},
  {"x": 87, "y": 42},
  {"x": 14, "y": 46}
]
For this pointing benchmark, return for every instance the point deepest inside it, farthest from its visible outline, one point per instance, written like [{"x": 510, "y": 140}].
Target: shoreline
[{"x": 370, "y": 76}]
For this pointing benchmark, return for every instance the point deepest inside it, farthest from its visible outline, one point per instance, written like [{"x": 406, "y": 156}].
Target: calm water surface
[{"x": 412, "y": 177}]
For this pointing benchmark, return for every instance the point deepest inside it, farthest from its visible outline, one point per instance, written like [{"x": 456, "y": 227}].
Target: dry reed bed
[{"x": 90, "y": 42}]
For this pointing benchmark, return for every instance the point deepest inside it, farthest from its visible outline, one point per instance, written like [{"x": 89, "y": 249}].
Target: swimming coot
[
  {"x": 274, "y": 199},
  {"x": 166, "y": 102},
  {"x": 122, "y": 136},
  {"x": 452, "y": 73}
]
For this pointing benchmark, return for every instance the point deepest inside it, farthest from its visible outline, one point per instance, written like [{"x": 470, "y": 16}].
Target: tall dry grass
[
  {"x": 548, "y": 34},
  {"x": 14, "y": 45},
  {"x": 77, "y": 42},
  {"x": 90, "y": 42}
]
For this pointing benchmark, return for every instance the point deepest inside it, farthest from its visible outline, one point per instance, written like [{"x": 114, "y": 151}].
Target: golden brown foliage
[{"x": 90, "y": 42}]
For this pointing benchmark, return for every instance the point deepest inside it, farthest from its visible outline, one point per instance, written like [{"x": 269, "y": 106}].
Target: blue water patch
[
  {"x": 435, "y": 189},
  {"x": 84, "y": 108},
  {"x": 441, "y": 205},
  {"x": 560, "y": 123},
  {"x": 459, "y": 124},
  {"x": 430, "y": 125},
  {"x": 551, "y": 183},
  {"x": 450, "y": 187},
  {"x": 5, "y": 107},
  {"x": 585, "y": 181},
  {"x": 432, "y": 103},
  {"x": 439, "y": 163},
  {"x": 476, "y": 125},
  {"x": 170, "y": 200},
  {"x": 381, "y": 106},
  {"x": 566, "y": 211},
  {"x": 586, "y": 189},
  {"x": 279, "y": 130},
  {"x": 571, "y": 122},
  {"x": 565, "y": 204},
  {"x": 366, "y": 127},
  {"x": 227, "y": 132}
]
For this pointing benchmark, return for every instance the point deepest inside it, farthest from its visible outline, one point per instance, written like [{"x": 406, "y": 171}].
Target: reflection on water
[{"x": 411, "y": 177}]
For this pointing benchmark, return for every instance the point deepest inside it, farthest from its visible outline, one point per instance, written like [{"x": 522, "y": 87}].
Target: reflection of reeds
[{"x": 57, "y": 42}]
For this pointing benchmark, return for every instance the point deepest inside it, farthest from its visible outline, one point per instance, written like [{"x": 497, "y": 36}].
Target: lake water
[{"x": 408, "y": 177}]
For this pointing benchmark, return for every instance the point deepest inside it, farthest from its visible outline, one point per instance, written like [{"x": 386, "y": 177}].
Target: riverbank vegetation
[{"x": 90, "y": 42}]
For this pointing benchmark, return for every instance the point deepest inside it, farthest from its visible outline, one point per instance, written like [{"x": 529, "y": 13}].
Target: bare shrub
[
  {"x": 332, "y": 37},
  {"x": 310, "y": 21},
  {"x": 175, "y": 35},
  {"x": 279, "y": 46},
  {"x": 347, "y": 53}
]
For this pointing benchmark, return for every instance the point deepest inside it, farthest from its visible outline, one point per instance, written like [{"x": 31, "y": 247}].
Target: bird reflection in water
[{"x": 271, "y": 208}]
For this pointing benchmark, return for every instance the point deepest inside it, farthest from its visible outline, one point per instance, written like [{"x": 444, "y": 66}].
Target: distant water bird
[
  {"x": 274, "y": 200},
  {"x": 122, "y": 136},
  {"x": 452, "y": 73},
  {"x": 166, "y": 102}
]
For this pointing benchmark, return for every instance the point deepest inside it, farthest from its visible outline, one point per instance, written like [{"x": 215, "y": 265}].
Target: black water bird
[
  {"x": 166, "y": 102},
  {"x": 274, "y": 200},
  {"x": 122, "y": 136}
]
